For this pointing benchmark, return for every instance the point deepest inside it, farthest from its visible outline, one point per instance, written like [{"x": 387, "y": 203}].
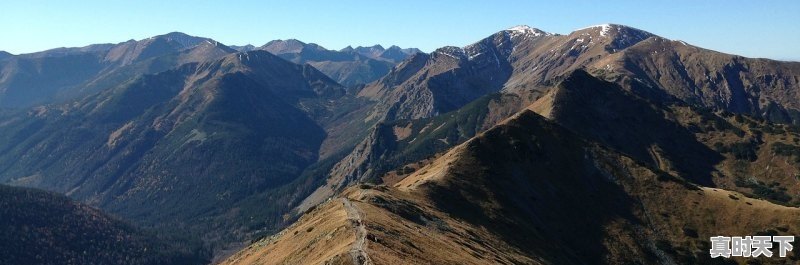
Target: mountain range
[
  {"x": 349, "y": 66},
  {"x": 525, "y": 147}
]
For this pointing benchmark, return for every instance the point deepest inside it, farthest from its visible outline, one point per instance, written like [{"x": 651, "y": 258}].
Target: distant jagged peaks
[
  {"x": 377, "y": 51},
  {"x": 374, "y": 51},
  {"x": 394, "y": 52},
  {"x": 348, "y": 66},
  {"x": 397, "y": 54}
]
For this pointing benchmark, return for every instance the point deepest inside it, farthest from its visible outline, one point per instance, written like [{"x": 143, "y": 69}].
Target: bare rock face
[
  {"x": 522, "y": 59},
  {"x": 448, "y": 78}
]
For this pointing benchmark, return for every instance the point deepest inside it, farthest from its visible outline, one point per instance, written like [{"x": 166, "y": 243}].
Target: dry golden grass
[
  {"x": 322, "y": 236},
  {"x": 538, "y": 179}
]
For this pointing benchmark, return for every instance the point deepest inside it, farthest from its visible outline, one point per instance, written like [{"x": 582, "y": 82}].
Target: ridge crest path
[{"x": 358, "y": 252}]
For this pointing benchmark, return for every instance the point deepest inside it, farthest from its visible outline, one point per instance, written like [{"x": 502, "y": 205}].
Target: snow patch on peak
[
  {"x": 524, "y": 30},
  {"x": 618, "y": 36},
  {"x": 520, "y": 28},
  {"x": 604, "y": 28},
  {"x": 451, "y": 51},
  {"x": 607, "y": 29}
]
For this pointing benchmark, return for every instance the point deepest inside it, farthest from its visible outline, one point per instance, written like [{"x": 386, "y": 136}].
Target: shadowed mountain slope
[
  {"x": 199, "y": 148},
  {"x": 40, "y": 227}
]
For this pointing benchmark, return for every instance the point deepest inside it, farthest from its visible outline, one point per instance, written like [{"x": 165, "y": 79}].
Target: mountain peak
[
  {"x": 395, "y": 53},
  {"x": 411, "y": 50},
  {"x": 525, "y": 30},
  {"x": 175, "y": 34},
  {"x": 372, "y": 51},
  {"x": 376, "y": 47},
  {"x": 615, "y": 36},
  {"x": 170, "y": 35},
  {"x": 347, "y": 49},
  {"x": 284, "y": 46},
  {"x": 604, "y": 28},
  {"x": 285, "y": 42},
  {"x": 609, "y": 29},
  {"x": 292, "y": 41},
  {"x": 183, "y": 39}
]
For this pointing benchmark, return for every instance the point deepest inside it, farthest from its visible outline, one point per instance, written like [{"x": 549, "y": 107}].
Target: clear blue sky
[{"x": 768, "y": 29}]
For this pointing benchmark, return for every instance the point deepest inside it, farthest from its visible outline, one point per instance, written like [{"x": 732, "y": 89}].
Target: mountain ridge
[
  {"x": 621, "y": 52},
  {"x": 526, "y": 65},
  {"x": 63, "y": 74},
  {"x": 520, "y": 193}
]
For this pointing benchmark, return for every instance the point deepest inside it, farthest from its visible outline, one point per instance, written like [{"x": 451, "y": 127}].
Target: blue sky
[{"x": 768, "y": 29}]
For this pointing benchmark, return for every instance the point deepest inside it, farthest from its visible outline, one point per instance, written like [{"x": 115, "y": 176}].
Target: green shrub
[
  {"x": 787, "y": 150},
  {"x": 742, "y": 151},
  {"x": 761, "y": 190}
]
